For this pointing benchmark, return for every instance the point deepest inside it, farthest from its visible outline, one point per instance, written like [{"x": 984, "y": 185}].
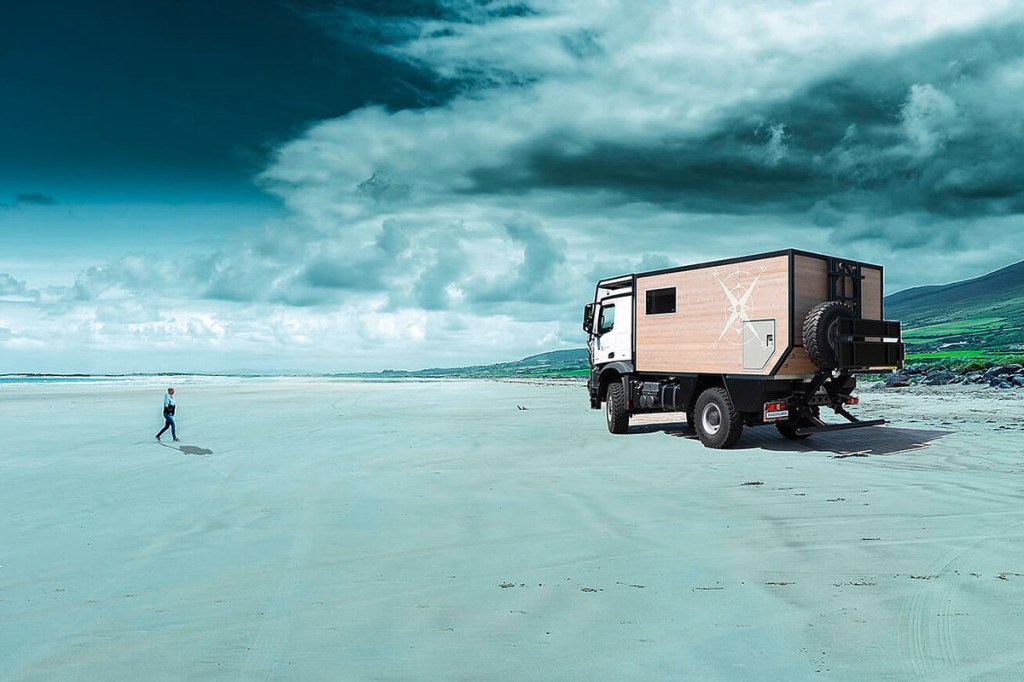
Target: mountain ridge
[
  {"x": 980, "y": 315},
  {"x": 998, "y": 285}
]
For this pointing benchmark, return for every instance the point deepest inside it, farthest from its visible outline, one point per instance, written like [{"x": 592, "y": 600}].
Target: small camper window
[{"x": 661, "y": 301}]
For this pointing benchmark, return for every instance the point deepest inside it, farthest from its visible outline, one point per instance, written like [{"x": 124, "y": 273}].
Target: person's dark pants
[{"x": 168, "y": 424}]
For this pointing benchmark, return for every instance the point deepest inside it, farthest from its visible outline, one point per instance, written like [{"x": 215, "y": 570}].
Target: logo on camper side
[{"x": 738, "y": 287}]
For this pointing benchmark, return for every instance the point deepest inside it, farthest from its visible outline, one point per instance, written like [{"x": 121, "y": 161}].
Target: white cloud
[
  {"x": 10, "y": 286},
  {"x": 929, "y": 116}
]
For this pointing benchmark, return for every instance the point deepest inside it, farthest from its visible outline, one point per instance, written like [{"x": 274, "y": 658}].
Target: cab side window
[{"x": 607, "y": 320}]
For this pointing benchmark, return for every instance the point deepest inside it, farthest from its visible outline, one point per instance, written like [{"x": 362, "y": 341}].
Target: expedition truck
[{"x": 766, "y": 339}]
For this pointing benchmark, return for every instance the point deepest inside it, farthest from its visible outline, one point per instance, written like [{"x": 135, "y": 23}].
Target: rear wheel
[
  {"x": 615, "y": 408},
  {"x": 717, "y": 422}
]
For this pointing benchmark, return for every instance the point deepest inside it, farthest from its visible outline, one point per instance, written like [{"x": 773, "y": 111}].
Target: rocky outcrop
[
  {"x": 940, "y": 378},
  {"x": 896, "y": 380},
  {"x": 997, "y": 376}
]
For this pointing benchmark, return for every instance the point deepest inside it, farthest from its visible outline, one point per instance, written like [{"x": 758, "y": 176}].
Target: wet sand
[{"x": 344, "y": 530}]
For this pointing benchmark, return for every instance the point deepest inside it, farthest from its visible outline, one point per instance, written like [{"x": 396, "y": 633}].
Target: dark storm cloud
[
  {"x": 720, "y": 171},
  {"x": 392, "y": 21},
  {"x": 382, "y": 189},
  {"x": 194, "y": 93},
  {"x": 34, "y": 199},
  {"x": 911, "y": 232},
  {"x": 30, "y": 199},
  {"x": 925, "y": 130},
  {"x": 582, "y": 44},
  {"x": 386, "y": 27},
  {"x": 616, "y": 266}
]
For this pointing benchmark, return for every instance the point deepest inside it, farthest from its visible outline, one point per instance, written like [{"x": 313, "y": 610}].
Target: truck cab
[{"x": 611, "y": 323}]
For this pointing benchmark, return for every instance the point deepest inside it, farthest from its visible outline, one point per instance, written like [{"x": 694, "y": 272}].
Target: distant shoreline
[{"x": 144, "y": 380}]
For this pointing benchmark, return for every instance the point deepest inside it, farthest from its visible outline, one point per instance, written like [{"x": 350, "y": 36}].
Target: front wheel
[
  {"x": 717, "y": 422},
  {"x": 615, "y": 409}
]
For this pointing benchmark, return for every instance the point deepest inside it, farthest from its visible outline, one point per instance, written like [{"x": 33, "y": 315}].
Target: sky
[{"x": 357, "y": 185}]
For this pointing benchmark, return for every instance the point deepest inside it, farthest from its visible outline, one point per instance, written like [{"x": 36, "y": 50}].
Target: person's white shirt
[{"x": 168, "y": 400}]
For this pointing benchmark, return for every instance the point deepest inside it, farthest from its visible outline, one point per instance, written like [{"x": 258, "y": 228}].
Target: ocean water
[{"x": 122, "y": 380}]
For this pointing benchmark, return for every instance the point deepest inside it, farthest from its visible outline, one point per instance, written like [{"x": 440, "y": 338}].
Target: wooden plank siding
[
  {"x": 699, "y": 337},
  {"x": 798, "y": 364},
  {"x": 871, "y": 293},
  {"x": 812, "y": 288},
  {"x": 810, "y": 281}
]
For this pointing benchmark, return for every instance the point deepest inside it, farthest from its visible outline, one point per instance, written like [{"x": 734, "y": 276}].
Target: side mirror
[{"x": 588, "y": 317}]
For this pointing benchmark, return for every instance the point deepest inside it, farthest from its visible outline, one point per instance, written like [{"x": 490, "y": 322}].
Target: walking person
[{"x": 169, "y": 416}]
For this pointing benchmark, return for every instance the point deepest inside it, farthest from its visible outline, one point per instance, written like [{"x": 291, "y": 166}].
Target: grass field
[
  {"x": 955, "y": 328},
  {"x": 966, "y": 356}
]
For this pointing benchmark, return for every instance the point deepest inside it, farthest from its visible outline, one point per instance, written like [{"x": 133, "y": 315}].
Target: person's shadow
[{"x": 188, "y": 449}]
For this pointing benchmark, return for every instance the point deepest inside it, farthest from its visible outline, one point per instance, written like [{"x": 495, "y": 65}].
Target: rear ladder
[{"x": 838, "y": 272}]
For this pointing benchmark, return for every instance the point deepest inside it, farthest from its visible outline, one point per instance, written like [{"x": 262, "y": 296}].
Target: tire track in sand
[{"x": 927, "y": 644}]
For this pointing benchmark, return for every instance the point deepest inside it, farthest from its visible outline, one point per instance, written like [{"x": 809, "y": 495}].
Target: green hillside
[{"x": 978, "y": 317}]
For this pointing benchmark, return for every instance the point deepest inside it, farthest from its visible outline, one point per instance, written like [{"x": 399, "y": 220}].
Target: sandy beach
[{"x": 430, "y": 530}]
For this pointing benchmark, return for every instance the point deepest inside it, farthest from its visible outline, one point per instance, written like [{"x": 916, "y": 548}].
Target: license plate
[{"x": 775, "y": 414}]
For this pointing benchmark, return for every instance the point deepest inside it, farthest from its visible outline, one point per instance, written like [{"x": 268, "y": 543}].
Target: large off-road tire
[
  {"x": 717, "y": 422},
  {"x": 615, "y": 408},
  {"x": 821, "y": 332}
]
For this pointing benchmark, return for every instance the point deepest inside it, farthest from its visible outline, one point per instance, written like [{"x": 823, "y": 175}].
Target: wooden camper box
[{"x": 742, "y": 316}]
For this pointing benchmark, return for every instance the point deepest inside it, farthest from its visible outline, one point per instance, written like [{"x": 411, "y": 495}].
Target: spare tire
[{"x": 821, "y": 332}]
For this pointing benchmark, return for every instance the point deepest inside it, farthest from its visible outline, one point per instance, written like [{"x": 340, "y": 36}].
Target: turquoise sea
[{"x": 123, "y": 379}]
